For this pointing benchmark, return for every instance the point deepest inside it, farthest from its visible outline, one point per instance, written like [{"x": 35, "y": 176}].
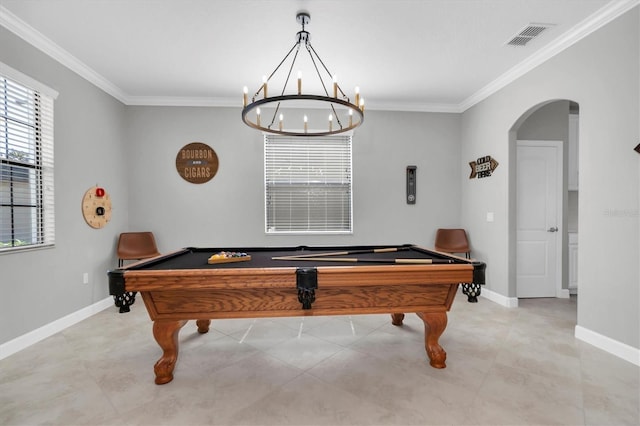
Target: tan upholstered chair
[
  {"x": 136, "y": 246},
  {"x": 452, "y": 241}
]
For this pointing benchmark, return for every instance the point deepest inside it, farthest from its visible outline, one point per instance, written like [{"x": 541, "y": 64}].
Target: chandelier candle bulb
[
  {"x": 330, "y": 122},
  {"x": 264, "y": 86},
  {"x": 335, "y": 86},
  {"x": 258, "y": 116},
  {"x": 350, "y": 117},
  {"x": 245, "y": 91},
  {"x": 281, "y": 119},
  {"x": 357, "y": 102},
  {"x": 305, "y": 124},
  {"x": 299, "y": 82}
]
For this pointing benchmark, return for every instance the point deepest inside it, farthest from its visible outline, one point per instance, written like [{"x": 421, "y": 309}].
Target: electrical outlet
[{"x": 85, "y": 278}]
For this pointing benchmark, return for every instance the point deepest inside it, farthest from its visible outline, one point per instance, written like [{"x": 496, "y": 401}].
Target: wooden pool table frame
[{"x": 174, "y": 296}]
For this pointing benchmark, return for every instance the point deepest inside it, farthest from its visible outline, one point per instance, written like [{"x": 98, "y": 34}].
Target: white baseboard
[
  {"x": 512, "y": 302},
  {"x": 607, "y": 344},
  {"x": 26, "y": 340},
  {"x": 621, "y": 350},
  {"x": 509, "y": 302}
]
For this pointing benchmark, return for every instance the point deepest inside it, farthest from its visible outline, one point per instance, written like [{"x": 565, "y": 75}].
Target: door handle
[{"x": 553, "y": 229}]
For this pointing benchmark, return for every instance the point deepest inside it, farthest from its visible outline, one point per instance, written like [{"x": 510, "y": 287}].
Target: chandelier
[{"x": 294, "y": 111}]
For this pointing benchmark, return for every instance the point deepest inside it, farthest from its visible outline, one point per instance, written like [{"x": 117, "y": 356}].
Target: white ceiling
[{"x": 429, "y": 55}]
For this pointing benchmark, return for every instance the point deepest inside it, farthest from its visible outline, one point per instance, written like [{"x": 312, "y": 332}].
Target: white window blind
[
  {"x": 26, "y": 167},
  {"x": 308, "y": 184}
]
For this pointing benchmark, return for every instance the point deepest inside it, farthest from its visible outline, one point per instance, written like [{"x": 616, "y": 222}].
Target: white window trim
[
  {"x": 17, "y": 76},
  {"x": 47, "y": 98}
]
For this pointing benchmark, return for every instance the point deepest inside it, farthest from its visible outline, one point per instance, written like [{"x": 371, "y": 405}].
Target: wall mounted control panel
[{"x": 411, "y": 184}]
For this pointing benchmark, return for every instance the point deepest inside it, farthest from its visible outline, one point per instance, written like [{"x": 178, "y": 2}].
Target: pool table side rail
[
  {"x": 140, "y": 278},
  {"x": 148, "y": 280}
]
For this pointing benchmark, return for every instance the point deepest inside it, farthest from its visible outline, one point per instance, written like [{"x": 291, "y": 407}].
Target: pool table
[{"x": 295, "y": 281}]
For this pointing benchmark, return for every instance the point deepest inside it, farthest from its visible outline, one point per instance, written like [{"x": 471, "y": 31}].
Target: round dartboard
[{"x": 96, "y": 207}]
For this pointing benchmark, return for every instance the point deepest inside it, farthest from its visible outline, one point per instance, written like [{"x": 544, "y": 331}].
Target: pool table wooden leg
[
  {"x": 166, "y": 334},
  {"x": 434, "y": 325},
  {"x": 396, "y": 319},
  {"x": 203, "y": 326}
]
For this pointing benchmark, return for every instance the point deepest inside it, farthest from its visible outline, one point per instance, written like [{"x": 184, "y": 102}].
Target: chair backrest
[
  {"x": 452, "y": 241},
  {"x": 137, "y": 245}
]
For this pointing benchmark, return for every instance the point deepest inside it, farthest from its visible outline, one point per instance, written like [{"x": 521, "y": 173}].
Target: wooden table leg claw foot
[
  {"x": 164, "y": 370},
  {"x": 166, "y": 334},
  {"x": 434, "y": 325}
]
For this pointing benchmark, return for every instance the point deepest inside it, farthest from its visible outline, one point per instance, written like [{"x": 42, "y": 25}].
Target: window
[
  {"x": 26, "y": 164},
  {"x": 308, "y": 184}
]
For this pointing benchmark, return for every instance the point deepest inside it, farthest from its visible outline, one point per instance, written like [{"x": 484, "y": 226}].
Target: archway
[{"x": 547, "y": 120}]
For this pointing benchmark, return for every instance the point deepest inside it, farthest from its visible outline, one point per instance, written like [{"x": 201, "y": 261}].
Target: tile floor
[{"x": 504, "y": 366}]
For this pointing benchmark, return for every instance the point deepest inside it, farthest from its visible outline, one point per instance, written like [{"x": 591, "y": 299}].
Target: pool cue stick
[
  {"x": 344, "y": 253},
  {"x": 357, "y": 260}
]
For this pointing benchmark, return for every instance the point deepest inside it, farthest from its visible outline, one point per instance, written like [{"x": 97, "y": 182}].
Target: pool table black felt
[{"x": 261, "y": 257}]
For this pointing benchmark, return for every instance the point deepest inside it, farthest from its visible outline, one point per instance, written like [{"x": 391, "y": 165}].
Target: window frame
[
  {"x": 333, "y": 192},
  {"x": 26, "y": 127}
]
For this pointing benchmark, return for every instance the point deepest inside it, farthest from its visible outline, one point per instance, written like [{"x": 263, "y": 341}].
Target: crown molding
[
  {"x": 41, "y": 42},
  {"x": 182, "y": 101},
  {"x": 233, "y": 103},
  {"x": 412, "y": 107},
  {"x": 602, "y": 17}
]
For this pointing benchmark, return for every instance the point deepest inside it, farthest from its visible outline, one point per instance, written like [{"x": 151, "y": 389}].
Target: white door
[{"x": 539, "y": 218}]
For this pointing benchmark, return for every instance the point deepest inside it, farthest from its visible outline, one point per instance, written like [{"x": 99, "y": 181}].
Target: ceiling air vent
[{"x": 527, "y": 34}]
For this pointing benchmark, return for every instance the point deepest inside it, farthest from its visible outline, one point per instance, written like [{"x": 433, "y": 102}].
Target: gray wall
[
  {"x": 41, "y": 286},
  {"x": 600, "y": 73},
  {"x": 229, "y": 209}
]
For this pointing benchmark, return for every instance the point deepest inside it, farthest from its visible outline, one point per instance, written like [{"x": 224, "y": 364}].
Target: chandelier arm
[
  {"x": 296, "y": 44},
  {"x": 325, "y": 68},
  {"x": 335, "y": 114},
  {"x": 275, "y": 113},
  {"x": 284, "y": 86},
  {"x": 308, "y": 45}
]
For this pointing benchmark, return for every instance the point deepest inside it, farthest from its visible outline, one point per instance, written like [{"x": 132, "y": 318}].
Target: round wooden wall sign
[
  {"x": 96, "y": 207},
  {"x": 197, "y": 162}
]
